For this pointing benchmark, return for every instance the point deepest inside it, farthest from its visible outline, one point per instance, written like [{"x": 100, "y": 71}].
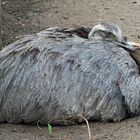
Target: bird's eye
[{"x": 110, "y": 34}]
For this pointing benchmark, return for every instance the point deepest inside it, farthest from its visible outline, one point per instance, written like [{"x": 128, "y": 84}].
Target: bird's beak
[
  {"x": 136, "y": 52},
  {"x": 126, "y": 45},
  {"x": 135, "y": 45}
]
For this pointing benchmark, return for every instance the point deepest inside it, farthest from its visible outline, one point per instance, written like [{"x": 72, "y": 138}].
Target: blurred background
[{"x": 20, "y": 17}]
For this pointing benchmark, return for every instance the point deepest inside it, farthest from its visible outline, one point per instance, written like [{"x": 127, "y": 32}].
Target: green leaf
[{"x": 50, "y": 129}]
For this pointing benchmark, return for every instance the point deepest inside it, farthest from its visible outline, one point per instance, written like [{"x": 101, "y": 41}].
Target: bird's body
[{"x": 60, "y": 72}]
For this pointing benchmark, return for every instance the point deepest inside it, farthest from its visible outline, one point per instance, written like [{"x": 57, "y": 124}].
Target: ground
[{"x": 22, "y": 17}]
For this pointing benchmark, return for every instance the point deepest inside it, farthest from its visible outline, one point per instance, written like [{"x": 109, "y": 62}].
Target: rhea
[{"x": 63, "y": 72}]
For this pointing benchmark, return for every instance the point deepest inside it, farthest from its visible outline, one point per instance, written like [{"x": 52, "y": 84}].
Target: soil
[{"x": 22, "y": 17}]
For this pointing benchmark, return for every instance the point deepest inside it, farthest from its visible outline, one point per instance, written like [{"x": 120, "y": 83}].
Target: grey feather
[{"x": 58, "y": 73}]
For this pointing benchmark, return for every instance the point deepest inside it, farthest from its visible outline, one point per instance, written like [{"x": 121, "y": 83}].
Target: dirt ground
[{"x": 22, "y": 17}]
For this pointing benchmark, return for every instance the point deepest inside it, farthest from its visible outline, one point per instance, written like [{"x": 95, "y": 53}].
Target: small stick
[
  {"x": 38, "y": 124},
  {"x": 89, "y": 132},
  {"x": 88, "y": 127}
]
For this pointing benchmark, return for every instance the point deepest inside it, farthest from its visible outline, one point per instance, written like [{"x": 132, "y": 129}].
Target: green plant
[{"x": 50, "y": 129}]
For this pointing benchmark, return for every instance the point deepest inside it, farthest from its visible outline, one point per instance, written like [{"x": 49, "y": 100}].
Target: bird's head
[{"x": 107, "y": 31}]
